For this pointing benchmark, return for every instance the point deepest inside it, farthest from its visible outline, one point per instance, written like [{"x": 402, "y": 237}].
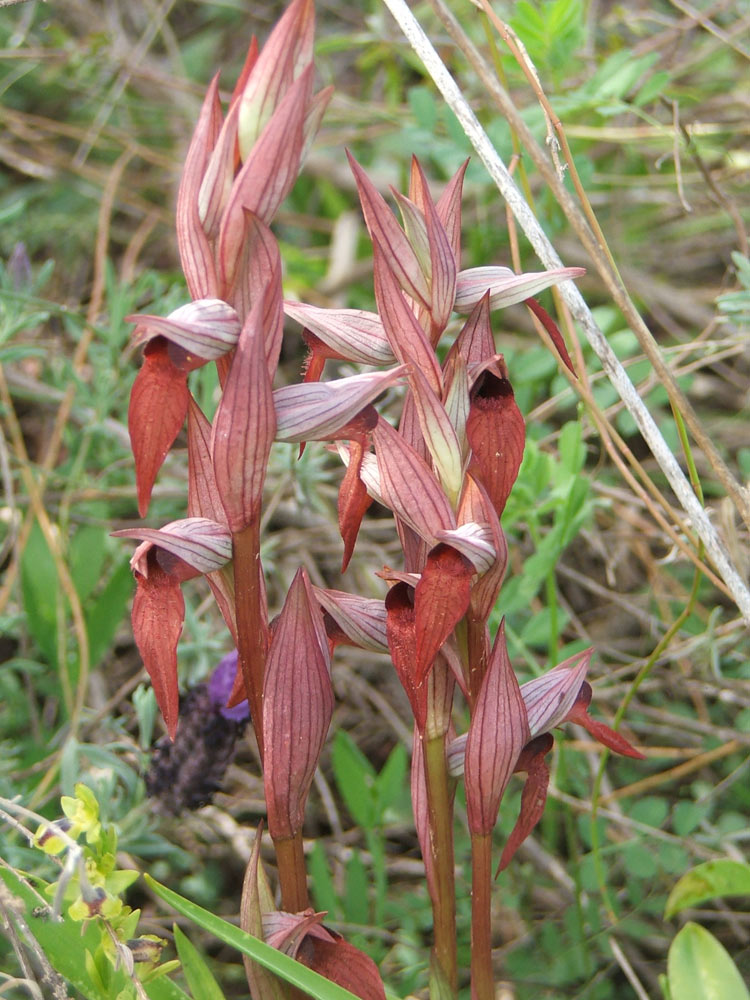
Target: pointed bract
[
  {"x": 390, "y": 237},
  {"x": 497, "y": 735},
  {"x": 505, "y": 286},
  {"x": 196, "y": 255},
  {"x": 408, "y": 486},
  {"x": 297, "y": 707},
  {"x": 287, "y": 52},
  {"x": 268, "y": 173},
  {"x": 244, "y": 427},
  {"x": 405, "y": 335}
]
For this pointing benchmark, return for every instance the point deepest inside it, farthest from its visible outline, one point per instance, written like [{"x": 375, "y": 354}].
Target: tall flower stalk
[{"x": 444, "y": 465}]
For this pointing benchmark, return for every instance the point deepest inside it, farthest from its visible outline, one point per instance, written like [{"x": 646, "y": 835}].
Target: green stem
[
  {"x": 482, "y": 978},
  {"x": 251, "y": 629},
  {"x": 290, "y": 859},
  {"x": 441, "y": 842}
]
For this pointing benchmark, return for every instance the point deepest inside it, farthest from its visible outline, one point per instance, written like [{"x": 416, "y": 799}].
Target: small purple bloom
[{"x": 220, "y": 687}]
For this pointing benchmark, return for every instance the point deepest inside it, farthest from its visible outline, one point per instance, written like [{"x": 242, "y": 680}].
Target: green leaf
[
  {"x": 199, "y": 977},
  {"x": 39, "y": 587},
  {"x": 104, "y": 616},
  {"x": 87, "y": 551},
  {"x": 323, "y": 891},
  {"x": 356, "y": 894},
  {"x": 355, "y": 777},
  {"x": 389, "y": 784},
  {"x": 707, "y": 881},
  {"x": 290, "y": 970},
  {"x": 700, "y": 968}
]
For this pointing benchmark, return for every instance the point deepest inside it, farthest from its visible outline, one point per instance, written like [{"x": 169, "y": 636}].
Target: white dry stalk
[{"x": 575, "y": 302}]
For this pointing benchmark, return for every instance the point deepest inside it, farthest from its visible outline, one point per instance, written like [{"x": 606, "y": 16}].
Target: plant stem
[
  {"x": 482, "y": 979},
  {"x": 441, "y": 843},
  {"x": 251, "y": 625},
  {"x": 290, "y": 859}
]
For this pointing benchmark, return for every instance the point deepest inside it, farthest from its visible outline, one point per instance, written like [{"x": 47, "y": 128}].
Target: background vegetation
[{"x": 98, "y": 103}]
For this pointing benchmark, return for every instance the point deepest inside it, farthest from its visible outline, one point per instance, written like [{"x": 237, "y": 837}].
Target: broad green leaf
[
  {"x": 87, "y": 551},
  {"x": 106, "y": 613},
  {"x": 356, "y": 894},
  {"x": 290, "y": 970},
  {"x": 707, "y": 881},
  {"x": 199, "y": 977},
  {"x": 700, "y": 968},
  {"x": 355, "y": 776},
  {"x": 322, "y": 883},
  {"x": 39, "y": 586},
  {"x": 389, "y": 784}
]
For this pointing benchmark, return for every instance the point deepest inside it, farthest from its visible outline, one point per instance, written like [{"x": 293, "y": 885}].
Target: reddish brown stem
[
  {"x": 292, "y": 873},
  {"x": 441, "y": 841},
  {"x": 482, "y": 979},
  {"x": 251, "y": 623}
]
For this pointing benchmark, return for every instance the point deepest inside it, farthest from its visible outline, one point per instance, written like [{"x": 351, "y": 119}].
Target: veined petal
[
  {"x": 345, "y": 965},
  {"x": 205, "y": 327},
  {"x": 201, "y": 543},
  {"x": 361, "y": 619},
  {"x": 474, "y": 541},
  {"x": 297, "y": 707},
  {"x": 287, "y": 52},
  {"x": 549, "y": 698},
  {"x": 505, "y": 286},
  {"x": 318, "y": 410},
  {"x": 497, "y": 734},
  {"x": 353, "y": 334}
]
